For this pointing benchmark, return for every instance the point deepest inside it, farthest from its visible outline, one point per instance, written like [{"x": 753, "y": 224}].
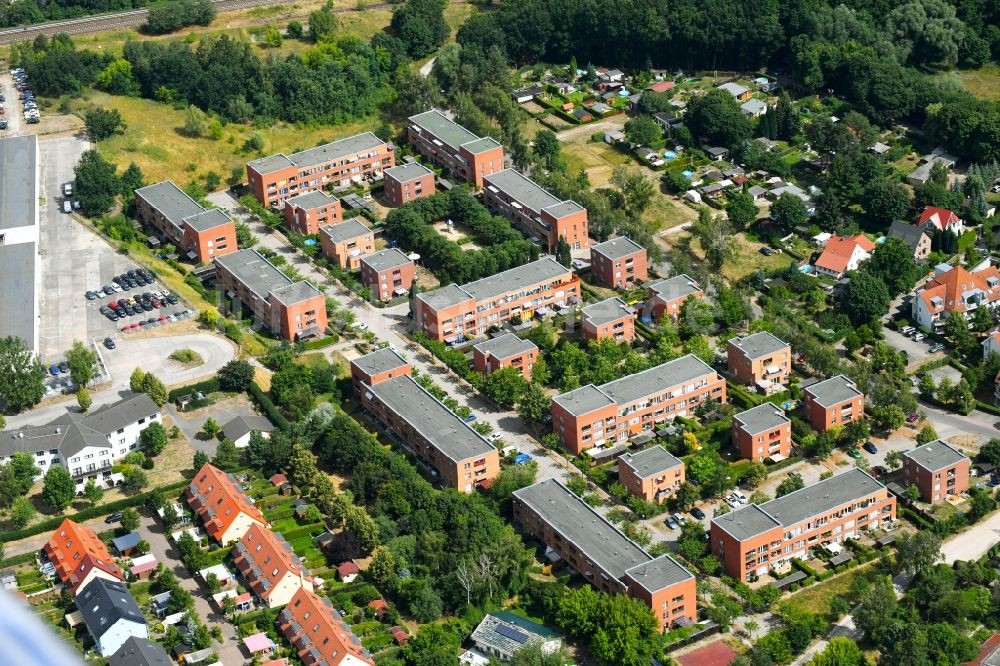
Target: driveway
[
  {"x": 12, "y": 107},
  {"x": 190, "y": 423},
  {"x": 973, "y": 542},
  {"x": 615, "y": 123}
]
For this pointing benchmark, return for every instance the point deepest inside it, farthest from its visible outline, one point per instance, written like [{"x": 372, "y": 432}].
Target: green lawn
[{"x": 816, "y": 598}]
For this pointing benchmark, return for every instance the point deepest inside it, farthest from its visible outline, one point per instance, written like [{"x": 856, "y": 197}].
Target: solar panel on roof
[{"x": 511, "y": 633}]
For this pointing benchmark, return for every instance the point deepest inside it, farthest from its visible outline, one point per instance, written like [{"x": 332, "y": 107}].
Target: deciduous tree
[{"x": 21, "y": 382}]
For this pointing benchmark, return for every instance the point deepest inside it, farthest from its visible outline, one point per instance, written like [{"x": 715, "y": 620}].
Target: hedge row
[
  {"x": 207, "y": 386},
  {"x": 87, "y": 514},
  {"x": 301, "y": 531},
  {"x": 913, "y": 517},
  {"x": 743, "y": 396},
  {"x": 321, "y": 342},
  {"x": 988, "y": 408},
  {"x": 269, "y": 409},
  {"x": 23, "y": 558},
  {"x": 808, "y": 570}
]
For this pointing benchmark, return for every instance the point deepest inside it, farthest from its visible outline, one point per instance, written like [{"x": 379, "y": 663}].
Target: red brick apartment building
[
  {"x": 603, "y": 555},
  {"x": 199, "y": 234},
  {"x": 458, "y": 456},
  {"x": 407, "y": 182},
  {"x": 292, "y": 310},
  {"x": 833, "y": 402},
  {"x": 447, "y": 144},
  {"x": 763, "y": 432},
  {"x": 307, "y": 213},
  {"x": 754, "y": 539},
  {"x": 760, "y": 360},
  {"x": 618, "y": 263},
  {"x": 664, "y": 298},
  {"x": 535, "y": 211},
  {"x": 378, "y": 366},
  {"x": 388, "y": 273},
  {"x": 937, "y": 469},
  {"x": 318, "y": 633},
  {"x": 653, "y": 475},
  {"x": 344, "y": 244},
  {"x": 614, "y": 412},
  {"x": 506, "y": 350},
  {"x": 342, "y": 163},
  {"x": 610, "y": 318},
  {"x": 452, "y": 313}
]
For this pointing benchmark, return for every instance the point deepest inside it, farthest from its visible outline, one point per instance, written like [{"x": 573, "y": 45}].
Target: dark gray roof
[
  {"x": 650, "y": 462},
  {"x": 795, "y": 507},
  {"x": 505, "y": 346},
  {"x": 908, "y": 233},
  {"x": 295, "y": 292},
  {"x": 634, "y": 387},
  {"x": 325, "y": 153},
  {"x": 104, "y": 602},
  {"x": 579, "y": 524},
  {"x": 443, "y": 128},
  {"x": 759, "y": 344},
  {"x": 833, "y": 391},
  {"x": 675, "y": 287},
  {"x": 935, "y": 455},
  {"x": 18, "y": 182},
  {"x": 258, "y": 274},
  {"x": 346, "y": 230},
  {"x": 243, "y": 425},
  {"x": 384, "y": 260},
  {"x": 18, "y": 298},
  {"x": 310, "y": 200},
  {"x": 405, "y": 172},
  {"x": 435, "y": 422},
  {"x": 657, "y": 574},
  {"x": 761, "y": 418},
  {"x": 616, "y": 248},
  {"x": 545, "y": 269},
  {"x": 71, "y": 433},
  {"x": 521, "y": 189},
  {"x": 379, "y": 361},
  {"x": 606, "y": 311},
  {"x": 136, "y": 651},
  {"x": 208, "y": 219},
  {"x": 171, "y": 201}
]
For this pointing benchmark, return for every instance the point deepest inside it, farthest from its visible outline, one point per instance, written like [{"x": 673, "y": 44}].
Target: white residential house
[{"x": 110, "y": 614}]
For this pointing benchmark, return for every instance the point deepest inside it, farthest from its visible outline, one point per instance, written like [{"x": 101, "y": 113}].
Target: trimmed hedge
[
  {"x": 902, "y": 512},
  {"x": 744, "y": 397},
  {"x": 266, "y": 406},
  {"x": 87, "y": 514},
  {"x": 207, "y": 386},
  {"x": 23, "y": 558},
  {"x": 988, "y": 408}
]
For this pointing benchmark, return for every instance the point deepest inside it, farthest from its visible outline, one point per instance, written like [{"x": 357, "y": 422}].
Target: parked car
[
  {"x": 936, "y": 347},
  {"x": 113, "y": 518},
  {"x": 679, "y": 519},
  {"x": 63, "y": 366},
  {"x": 920, "y": 337},
  {"x": 913, "y": 418},
  {"x": 854, "y": 453},
  {"x": 766, "y": 251},
  {"x": 671, "y": 523},
  {"x": 870, "y": 447},
  {"x": 109, "y": 343},
  {"x": 91, "y": 295},
  {"x": 880, "y": 470},
  {"x": 54, "y": 370},
  {"x": 740, "y": 497},
  {"x": 732, "y": 502},
  {"x": 697, "y": 513},
  {"x": 522, "y": 458}
]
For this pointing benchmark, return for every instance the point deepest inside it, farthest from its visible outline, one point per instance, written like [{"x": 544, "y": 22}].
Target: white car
[
  {"x": 360, "y": 326},
  {"x": 732, "y": 502},
  {"x": 919, "y": 336}
]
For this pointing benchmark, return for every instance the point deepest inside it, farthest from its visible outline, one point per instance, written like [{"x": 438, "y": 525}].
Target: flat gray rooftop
[
  {"x": 328, "y": 152},
  {"x": 606, "y": 311},
  {"x": 171, "y": 201},
  {"x": 657, "y": 379},
  {"x": 542, "y": 270},
  {"x": 448, "y": 131},
  {"x": 208, "y": 219},
  {"x": 445, "y": 296},
  {"x": 833, "y": 391},
  {"x": 254, "y": 271},
  {"x": 650, "y": 462},
  {"x": 482, "y": 145},
  {"x": 521, "y": 189},
  {"x": 438, "y": 424},
  {"x": 310, "y": 200},
  {"x": 379, "y": 361},
  {"x": 583, "y": 400},
  {"x": 616, "y": 248},
  {"x": 935, "y": 455},
  {"x": 761, "y": 418},
  {"x": 583, "y": 527},
  {"x": 505, "y": 346},
  {"x": 384, "y": 260},
  {"x": 759, "y": 344},
  {"x": 675, "y": 287},
  {"x": 296, "y": 292},
  {"x": 18, "y": 182},
  {"x": 564, "y": 208},
  {"x": 18, "y": 299},
  {"x": 346, "y": 230},
  {"x": 746, "y": 522},
  {"x": 657, "y": 574},
  {"x": 405, "y": 172}
]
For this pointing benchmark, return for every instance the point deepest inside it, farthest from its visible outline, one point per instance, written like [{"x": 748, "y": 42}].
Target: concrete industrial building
[{"x": 20, "y": 265}]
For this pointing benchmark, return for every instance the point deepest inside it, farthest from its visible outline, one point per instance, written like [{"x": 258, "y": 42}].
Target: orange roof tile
[
  {"x": 950, "y": 290},
  {"x": 75, "y": 550},
  {"x": 318, "y": 633},
  {"x": 217, "y": 499},
  {"x": 265, "y": 558},
  {"x": 839, "y": 249}
]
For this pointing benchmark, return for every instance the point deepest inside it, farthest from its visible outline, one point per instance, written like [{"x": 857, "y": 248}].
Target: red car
[
  {"x": 163, "y": 317},
  {"x": 913, "y": 418},
  {"x": 114, "y": 305}
]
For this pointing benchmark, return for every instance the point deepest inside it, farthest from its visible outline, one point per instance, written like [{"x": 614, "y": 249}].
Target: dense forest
[{"x": 877, "y": 55}]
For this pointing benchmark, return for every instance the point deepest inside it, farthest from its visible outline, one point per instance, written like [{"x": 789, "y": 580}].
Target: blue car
[
  {"x": 54, "y": 369},
  {"x": 522, "y": 458},
  {"x": 470, "y": 418},
  {"x": 869, "y": 447}
]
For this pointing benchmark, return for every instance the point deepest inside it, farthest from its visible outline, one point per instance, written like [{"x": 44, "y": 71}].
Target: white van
[
  {"x": 67, "y": 206},
  {"x": 740, "y": 497}
]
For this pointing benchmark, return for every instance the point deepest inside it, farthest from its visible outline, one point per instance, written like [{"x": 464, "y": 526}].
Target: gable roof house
[
  {"x": 270, "y": 566},
  {"x": 933, "y": 219},
  {"x": 225, "y": 509},
  {"x": 137, "y": 651},
  {"x": 79, "y": 557},
  {"x": 741, "y": 93},
  {"x": 238, "y": 429},
  {"x": 843, "y": 254},
  {"x": 955, "y": 288},
  {"x": 915, "y": 237},
  {"x": 319, "y": 634},
  {"x": 111, "y": 615}
]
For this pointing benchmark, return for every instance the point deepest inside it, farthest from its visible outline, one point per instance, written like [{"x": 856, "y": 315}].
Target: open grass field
[
  {"x": 983, "y": 82},
  {"x": 746, "y": 262},
  {"x": 816, "y": 598},
  {"x": 598, "y": 159}
]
